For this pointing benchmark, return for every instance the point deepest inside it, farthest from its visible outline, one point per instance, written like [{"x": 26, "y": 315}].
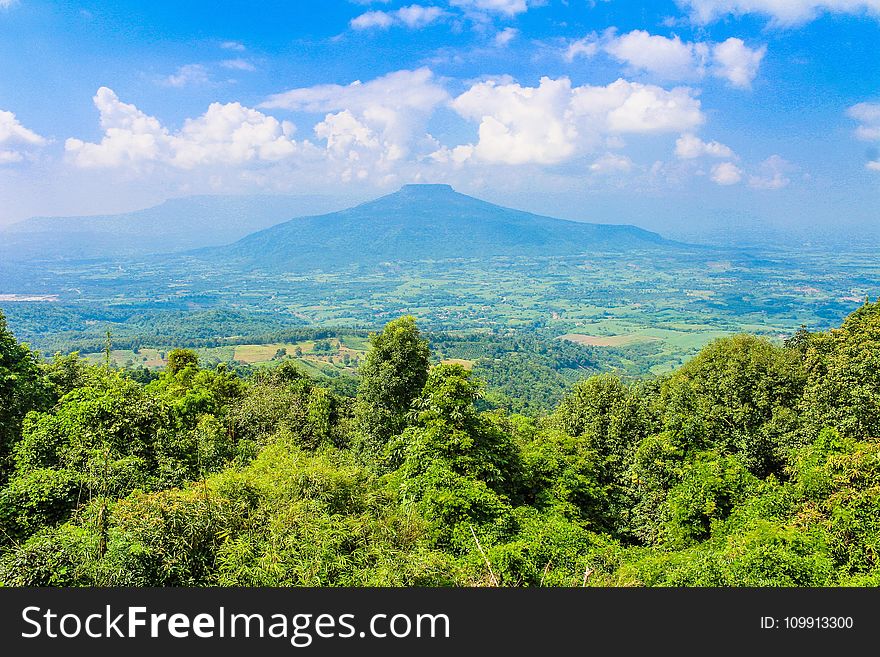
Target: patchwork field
[
  {"x": 636, "y": 312},
  {"x": 606, "y": 340},
  {"x": 467, "y": 364},
  {"x": 317, "y": 356}
]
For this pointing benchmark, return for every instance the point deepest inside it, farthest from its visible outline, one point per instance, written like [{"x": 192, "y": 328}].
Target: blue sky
[{"x": 655, "y": 113}]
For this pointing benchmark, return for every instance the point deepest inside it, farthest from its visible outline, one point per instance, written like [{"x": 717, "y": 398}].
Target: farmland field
[
  {"x": 630, "y": 315},
  {"x": 606, "y": 340}
]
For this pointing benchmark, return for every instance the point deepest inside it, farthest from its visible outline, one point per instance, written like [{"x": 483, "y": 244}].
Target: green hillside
[{"x": 754, "y": 464}]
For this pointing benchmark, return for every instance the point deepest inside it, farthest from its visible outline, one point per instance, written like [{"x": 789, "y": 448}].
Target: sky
[{"x": 664, "y": 113}]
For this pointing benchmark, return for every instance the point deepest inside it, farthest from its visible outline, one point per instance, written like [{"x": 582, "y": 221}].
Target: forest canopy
[{"x": 754, "y": 464}]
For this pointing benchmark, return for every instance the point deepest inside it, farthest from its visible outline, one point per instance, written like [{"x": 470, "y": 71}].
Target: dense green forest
[{"x": 754, "y": 464}]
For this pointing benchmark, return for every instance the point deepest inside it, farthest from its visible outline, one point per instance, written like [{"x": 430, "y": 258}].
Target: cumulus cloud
[
  {"x": 670, "y": 58},
  {"x": 226, "y": 134},
  {"x": 585, "y": 47},
  {"x": 734, "y": 61},
  {"x": 393, "y": 110},
  {"x": 238, "y": 64},
  {"x": 611, "y": 163},
  {"x": 413, "y": 17},
  {"x": 231, "y": 133},
  {"x": 505, "y": 36},
  {"x": 372, "y": 19},
  {"x": 771, "y": 174},
  {"x": 416, "y": 16},
  {"x": 187, "y": 75},
  {"x": 782, "y": 12},
  {"x": 233, "y": 45},
  {"x": 868, "y": 117},
  {"x": 342, "y": 132},
  {"x": 15, "y": 139},
  {"x": 13, "y": 132},
  {"x": 554, "y": 121},
  {"x": 726, "y": 173},
  {"x": 690, "y": 147},
  {"x": 503, "y": 7}
]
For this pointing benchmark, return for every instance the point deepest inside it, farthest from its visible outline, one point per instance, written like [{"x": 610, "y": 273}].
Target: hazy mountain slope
[
  {"x": 423, "y": 222},
  {"x": 175, "y": 225}
]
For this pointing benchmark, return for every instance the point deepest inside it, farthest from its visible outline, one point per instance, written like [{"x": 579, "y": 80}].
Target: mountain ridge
[
  {"x": 177, "y": 224},
  {"x": 424, "y": 222}
]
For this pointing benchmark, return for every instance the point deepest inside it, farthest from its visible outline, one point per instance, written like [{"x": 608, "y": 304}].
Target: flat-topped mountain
[{"x": 424, "y": 222}]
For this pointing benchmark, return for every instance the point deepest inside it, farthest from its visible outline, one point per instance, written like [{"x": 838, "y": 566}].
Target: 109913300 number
[{"x": 817, "y": 622}]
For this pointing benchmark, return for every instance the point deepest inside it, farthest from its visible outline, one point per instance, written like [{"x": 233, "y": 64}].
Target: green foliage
[
  {"x": 22, "y": 389},
  {"x": 737, "y": 395},
  {"x": 843, "y": 366},
  {"x": 180, "y": 359},
  {"x": 752, "y": 465},
  {"x": 392, "y": 376},
  {"x": 37, "y": 499},
  {"x": 711, "y": 486}
]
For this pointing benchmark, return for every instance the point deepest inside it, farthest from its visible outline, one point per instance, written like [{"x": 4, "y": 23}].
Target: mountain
[
  {"x": 423, "y": 222},
  {"x": 178, "y": 224}
]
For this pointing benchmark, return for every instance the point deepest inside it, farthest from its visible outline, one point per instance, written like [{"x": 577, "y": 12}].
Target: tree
[
  {"x": 393, "y": 374},
  {"x": 843, "y": 377},
  {"x": 458, "y": 466},
  {"x": 22, "y": 389},
  {"x": 737, "y": 395},
  {"x": 180, "y": 359}
]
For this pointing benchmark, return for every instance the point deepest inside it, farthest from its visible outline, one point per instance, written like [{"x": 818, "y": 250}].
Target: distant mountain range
[
  {"x": 176, "y": 225},
  {"x": 418, "y": 222},
  {"x": 422, "y": 222}
]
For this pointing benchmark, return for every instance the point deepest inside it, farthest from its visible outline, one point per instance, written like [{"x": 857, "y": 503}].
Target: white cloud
[
  {"x": 873, "y": 165},
  {"x": 413, "y": 17},
  {"x": 868, "y": 116},
  {"x": 504, "y": 7},
  {"x": 342, "y": 131},
  {"x": 416, "y": 16},
  {"x": 782, "y": 12},
  {"x": 232, "y": 134},
  {"x": 233, "y": 45},
  {"x": 521, "y": 124},
  {"x": 455, "y": 156},
  {"x": 670, "y": 58},
  {"x": 554, "y": 121},
  {"x": 372, "y": 19},
  {"x": 505, "y": 36},
  {"x": 690, "y": 147},
  {"x": 586, "y": 47},
  {"x": 726, "y": 173},
  {"x": 631, "y": 107},
  {"x": 238, "y": 64},
  {"x": 734, "y": 61},
  {"x": 394, "y": 109},
  {"x": 772, "y": 174},
  {"x": 6, "y": 4},
  {"x": 15, "y": 139},
  {"x": 226, "y": 135},
  {"x": 612, "y": 163},
  {"x": 187, "y": 75},
  {"x": 13, "y": 132}
]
